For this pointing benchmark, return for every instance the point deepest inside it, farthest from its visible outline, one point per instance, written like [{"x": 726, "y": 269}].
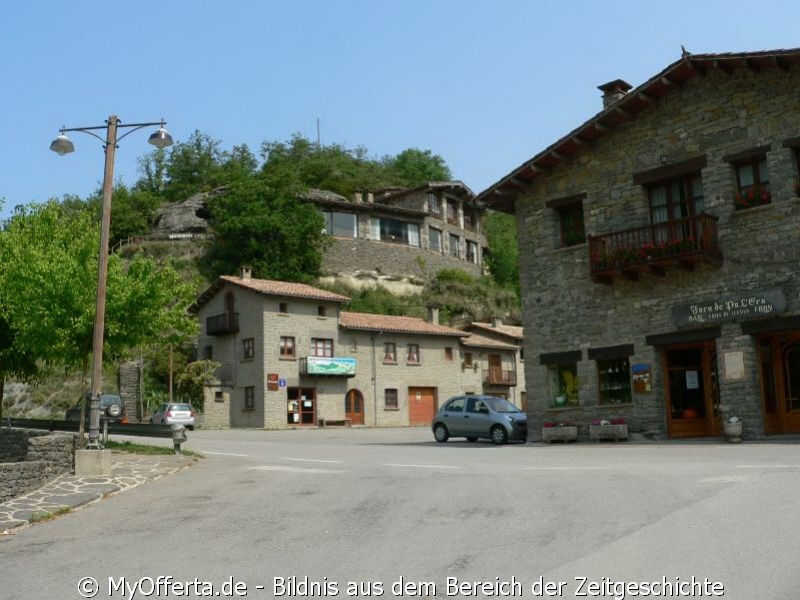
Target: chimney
[
  {"x": 357, "y": 198},
  {"x": 496, "y": 322},
  {"x": 246, "y": 272},
  {"x": 433, "y": 315},
  {"x": 613, "y": 91},
  {"x": 370, "y": 197}
]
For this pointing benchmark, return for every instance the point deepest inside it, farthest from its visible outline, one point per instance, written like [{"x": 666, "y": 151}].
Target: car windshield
[
  {"x": 181, "y": 407},
  {"x": 501, "y": 405}
]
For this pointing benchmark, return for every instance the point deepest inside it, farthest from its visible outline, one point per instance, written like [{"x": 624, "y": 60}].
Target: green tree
[
  {"x": 259, "y": 223},
  {"x": 413, "y": 167},
  {"x": 503, "y": 259},
  {"x": 15, "y": 362}
]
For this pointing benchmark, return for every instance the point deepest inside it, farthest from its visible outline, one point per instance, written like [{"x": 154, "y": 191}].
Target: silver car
[
  {"x": 476, "y": 417},
  {"x": 174, "y": 413}
]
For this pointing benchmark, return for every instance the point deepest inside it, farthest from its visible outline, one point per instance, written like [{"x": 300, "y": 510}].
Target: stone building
[
  {"x": 402, "y": 234},
  {"x": 496, "y": 350},
  {"x": 290, "y": 357},
  {"x": 660, "y": 253}
]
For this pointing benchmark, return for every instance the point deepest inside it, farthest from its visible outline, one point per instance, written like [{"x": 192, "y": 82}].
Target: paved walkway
[{"x": 69, "y": 491}]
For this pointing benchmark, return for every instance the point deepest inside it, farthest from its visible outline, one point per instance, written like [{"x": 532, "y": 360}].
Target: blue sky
[{"x": 484, "y": 84}]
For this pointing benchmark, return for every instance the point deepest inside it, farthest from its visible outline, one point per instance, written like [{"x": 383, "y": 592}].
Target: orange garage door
[{"x": 421, "y": 405}]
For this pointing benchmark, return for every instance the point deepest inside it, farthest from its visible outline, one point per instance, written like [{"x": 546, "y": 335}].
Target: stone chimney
[
  {"x": 613, "y": 91},
  {"x": 433, "y": 315},
  {"x": 370, "y": 197},
  {"x": 496, "y": 322},
  {"x": 246, "y": 273},
  {"x": 358, "y": 198}
]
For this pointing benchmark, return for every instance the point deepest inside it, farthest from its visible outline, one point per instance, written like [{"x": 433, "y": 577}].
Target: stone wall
[
  {"x": 715, "y": 116},
  {"x": 34, "y": 457},
  {"x": 129, "y": 380}
]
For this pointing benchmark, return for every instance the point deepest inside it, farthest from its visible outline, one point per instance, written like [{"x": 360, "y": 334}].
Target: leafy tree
[
  {"x": 259, "y": 223},
  {"x": 48, "y": 271},
  {"x": 14, "y": 362},
  {"x": 503, "y": 260},
  {"x": 413, "y": 167}
]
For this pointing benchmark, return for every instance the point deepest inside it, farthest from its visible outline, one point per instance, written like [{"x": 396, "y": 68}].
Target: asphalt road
[{"x": 285, "y": 514}]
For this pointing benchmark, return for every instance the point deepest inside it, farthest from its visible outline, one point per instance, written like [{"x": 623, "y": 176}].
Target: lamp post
[{"x": 63, "y": 145}]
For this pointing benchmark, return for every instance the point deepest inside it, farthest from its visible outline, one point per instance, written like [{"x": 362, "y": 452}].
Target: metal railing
[{"x": 222, "y": 324}]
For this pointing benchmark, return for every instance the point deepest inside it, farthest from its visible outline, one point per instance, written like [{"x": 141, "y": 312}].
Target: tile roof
[
  {"x": 513, "y": 331},
  {"x": 269, "y": 288},
  {"x": 388, "y": 323},
  {"x": 479, "y": 341}
]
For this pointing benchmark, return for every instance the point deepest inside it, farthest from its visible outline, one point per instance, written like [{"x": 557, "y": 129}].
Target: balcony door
[
  {"x": 691, "y": 390},
  {"x": 673, "y": 200},
  {"x": 779, "y": 358}
]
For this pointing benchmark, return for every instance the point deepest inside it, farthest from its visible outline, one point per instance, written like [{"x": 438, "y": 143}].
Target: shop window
[
  {"x": 389, "y": 352},
  {"x": 752, "y": 179},
  {"x": 322, "y": 347},
  {"x": 248, "y": 348},
  {"x": 564, "y": 385},
  {"x": 390, "y": 399},
  {"x": 287, "y": 347},
  {"x": 614, "y": 378},
  {"x": 413, "y": 354},
  {"x": 249, "y": 398}
]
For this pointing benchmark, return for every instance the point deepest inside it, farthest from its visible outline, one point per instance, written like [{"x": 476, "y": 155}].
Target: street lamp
[{"x": 63, "y": 145}]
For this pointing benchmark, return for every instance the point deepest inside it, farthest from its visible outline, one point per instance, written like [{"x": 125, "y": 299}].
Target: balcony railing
[
  {"x": 499, "y": 377},
  {"x": 224, "y": 373},
  {"x": 653, "y": 248},
  {"x": 222, "y": 324}
]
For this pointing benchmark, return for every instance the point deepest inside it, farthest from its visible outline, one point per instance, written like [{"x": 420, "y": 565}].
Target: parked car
[
  {"x": 476, "y": 417},
  {"x": 174, "y": 413},
  {"x": 112, "y": 409}
]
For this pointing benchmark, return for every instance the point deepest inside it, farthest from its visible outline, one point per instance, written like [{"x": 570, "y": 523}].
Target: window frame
[
  {"x": 412, "y": 356},
  {"x": 325, "y": 345},
  {"x": 448, "y": 354},
  {"x": 283, "y": 308},
  {"x": 757, "y": 193},
  {"x": 249, "y": 399},
  {"x": 686, "y": 205},
  {"x": 287, "y": 350},
  {"x": 558, "y": 385},
  {"x": 434, "y": 205},
  {"x": 454, "y": 248},
  {"x": 389, "y": 353},
  {"x": 440, "y": 234},
  {"x": 248, "y": 348},
  {"x": 571, "y": 224},
  {"x": 614, "y": 386},
  {"x": 391, "y": 399},
  {"x": 472, "y": 252}
]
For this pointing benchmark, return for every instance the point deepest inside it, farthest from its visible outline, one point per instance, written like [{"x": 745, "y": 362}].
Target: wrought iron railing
[{"x": 222, "y": 324}]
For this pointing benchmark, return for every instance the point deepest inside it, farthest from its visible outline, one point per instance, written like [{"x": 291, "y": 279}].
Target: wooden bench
[{"x": 323, "y": 423}]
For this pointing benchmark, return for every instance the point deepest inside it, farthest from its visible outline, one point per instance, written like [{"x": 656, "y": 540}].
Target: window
[
  {"x": 455, "y": 246},
  {"x": 287, "y": 347},
  {"x": 413, "y": 354},
  {"x": 476, "y": 405},
  {"x": 390, "y": 399},
  {"x": 456, "y": 405},
  {"x": 389, "y": 352},
  {"x": 564, "y": 385},
  {"x": 448, "y": 354},
  {"x": 320, "y": 311},
  {"x": 435, "y": 239},
  {"x": 434, "y": 205},
  {"x": 472, "y": 252},
  {"x": 249, "y": 398},
  {"x": 614, "y": 379},
  {"x": 395, "y": 232},
  {"x": 571, "y": 224},
  {"x": 283, "y": 308},
  {"x": 752, "y": 179},
  {"x": 673, "y": 199},
  {"x": 467, "y": 359},
  {"x": 321, "y": 347},
  {"x": 452, "y": 212},
  {"x": 470, "y": 220},
  {"x": 208, "y": 352},
  {"x": 248, "y": 348},
  {"x": 340, "y": 224}
]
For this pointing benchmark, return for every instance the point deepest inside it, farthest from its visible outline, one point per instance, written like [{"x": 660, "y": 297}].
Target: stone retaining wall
[{"x": 31, "y": 458}]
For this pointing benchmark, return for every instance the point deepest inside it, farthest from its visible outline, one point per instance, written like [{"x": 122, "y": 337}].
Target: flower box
[
  {"x": 564, "y": 433},
  {"x": 614, "y": 432}
]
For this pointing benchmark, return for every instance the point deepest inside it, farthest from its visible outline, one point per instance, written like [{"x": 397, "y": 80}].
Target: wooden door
[
  {"x": 421, "y": 405},
  {"x": 779, "y": 361},
  {"x": 690, "y": 390},
  {"x": 354, "y": 407},
  {"x": 495, "y": 368}
]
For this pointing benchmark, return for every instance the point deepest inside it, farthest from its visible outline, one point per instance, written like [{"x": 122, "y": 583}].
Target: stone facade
[
  {"x": 33, "y": 458},
  {"x": 711, "y": 120}
]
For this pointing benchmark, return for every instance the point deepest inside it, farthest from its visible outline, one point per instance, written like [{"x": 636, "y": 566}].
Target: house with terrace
[{"x": 660, "y": 253}]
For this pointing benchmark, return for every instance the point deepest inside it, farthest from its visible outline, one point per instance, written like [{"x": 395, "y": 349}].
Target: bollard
[{"x": 178, "y": 437}]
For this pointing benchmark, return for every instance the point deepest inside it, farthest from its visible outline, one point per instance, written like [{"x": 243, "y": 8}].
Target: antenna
[{"x": 318, "y": 144}]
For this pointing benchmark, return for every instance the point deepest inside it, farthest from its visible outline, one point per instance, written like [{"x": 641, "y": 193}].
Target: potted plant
[
  {"x": 559, "y": 431},
  {"x": 733, "y": 429}
]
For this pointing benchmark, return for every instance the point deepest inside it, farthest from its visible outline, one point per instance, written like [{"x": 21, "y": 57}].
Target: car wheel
[
  {"x": 440, "y": 433},
  {"x": 472, "y": 438},
  {"x": 499, "y": 435}
]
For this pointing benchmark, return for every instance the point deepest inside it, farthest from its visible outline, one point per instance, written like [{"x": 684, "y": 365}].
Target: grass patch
[
  {"x": 43, "y": 515},
  {"x": 145, "y": 449}
]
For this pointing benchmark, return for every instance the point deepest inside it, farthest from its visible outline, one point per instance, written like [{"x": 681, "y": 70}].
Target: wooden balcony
[
  {"x": 222, "y": 324},
  {"x": 499, "y": 377},
  {"x": 654, "y": 248}
]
